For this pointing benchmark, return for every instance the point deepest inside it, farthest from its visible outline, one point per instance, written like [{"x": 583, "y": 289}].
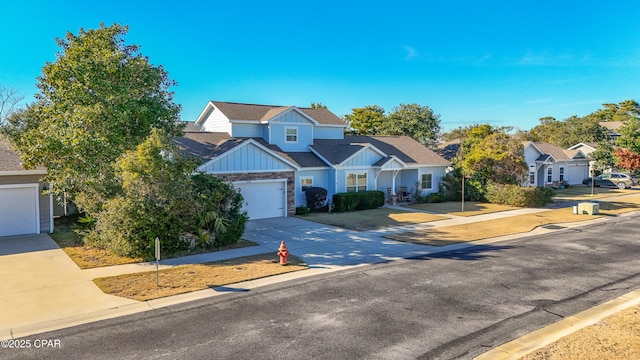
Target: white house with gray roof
[
  {"x": 549, "y": 164},
  {"x": 24, "y": 208},
  {"x": 273, "y": 153}
]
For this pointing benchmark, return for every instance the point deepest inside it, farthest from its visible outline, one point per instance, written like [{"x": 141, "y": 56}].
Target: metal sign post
[
  {"x": 157, "y": 259},
  {"x": 464, "y": 177}
]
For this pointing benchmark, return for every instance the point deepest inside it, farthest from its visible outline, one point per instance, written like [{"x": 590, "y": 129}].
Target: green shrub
[
  {"x": 516, "y": 195},
  {"x": 218, "y": 209},
  {"x": 345, "y": 201},
  {"x": 372, "y": 199},
  {"x": 303, "y": 210},
  {"x": 435, "y": 198},
  {"x": 363, "y": 200},
  {"x": 128, "y": 227},
  {"x": 474, "y": 190}
]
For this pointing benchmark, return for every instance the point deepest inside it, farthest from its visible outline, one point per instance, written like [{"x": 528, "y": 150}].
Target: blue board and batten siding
[
  {"x": 248, "y": 158},
  {"x": 363, "y": 158},
  {"x": 291, "y": 120},
  {"x": 328, "y": 132},
  {"x": 246, "y": 130},
  {"x": 304, "y": 136},
  {"x": 320, "y": 179}
]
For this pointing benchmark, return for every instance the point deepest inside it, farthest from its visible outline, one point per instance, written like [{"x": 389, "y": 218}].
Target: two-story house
[{"x": 273, "y": 153}]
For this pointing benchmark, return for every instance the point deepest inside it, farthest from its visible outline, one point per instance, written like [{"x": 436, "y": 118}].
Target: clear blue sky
[{"x": 501, "y": 62}]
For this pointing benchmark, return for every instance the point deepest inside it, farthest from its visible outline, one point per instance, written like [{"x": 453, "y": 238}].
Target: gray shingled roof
[
  {"x": 10, "y": 160},
  {"x": 557, "y": 152},
  {"x": 208, "y": 145},
  {"x": 255, "y": 112},
  {"x": 404, "y": 148}
]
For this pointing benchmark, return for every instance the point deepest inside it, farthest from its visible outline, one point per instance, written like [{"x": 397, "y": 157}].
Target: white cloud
[{"x": 411, "y": 52}]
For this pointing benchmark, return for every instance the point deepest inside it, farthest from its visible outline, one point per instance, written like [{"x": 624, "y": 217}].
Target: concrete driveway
[
  {"x": 324, "y": 245},
  {"x": 41, "y": 284}
]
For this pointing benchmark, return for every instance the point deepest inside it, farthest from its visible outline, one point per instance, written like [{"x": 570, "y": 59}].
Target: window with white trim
[
  {"x": 549, "y": 174},
  {"x": 532, "y": 177},
  {"x": 356, "y": 182},
  {"x": 291, "y": 134},
  {"x": 306, "y": 182},
  {"x": 426, "y": 181},
  {"x": 561, "y": 174}
]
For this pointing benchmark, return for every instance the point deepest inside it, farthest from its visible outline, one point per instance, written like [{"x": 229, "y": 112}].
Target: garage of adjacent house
[
  {"x": 24, "y": 209},
  {"x": 263, "y": 198},
  {"x": 19, "y": 209}
]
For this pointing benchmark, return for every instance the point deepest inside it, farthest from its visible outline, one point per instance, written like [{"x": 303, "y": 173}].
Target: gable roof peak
[{"x": 264, "y": 113}]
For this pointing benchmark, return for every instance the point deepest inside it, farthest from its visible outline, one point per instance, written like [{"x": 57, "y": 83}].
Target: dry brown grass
[
  {"x": 615, "y": 337},
  {"x": 372, "y": 219},
  {"x": 84, "y": 256},
  {"x": 188, "y": 278},
  {"x": 471, "y": 208},
  {"x": 583, "y": 193},
  {"x": 511, "y": 225},
  {"x": 89, "y": 257},
  {"x": 490, "y": 228}
]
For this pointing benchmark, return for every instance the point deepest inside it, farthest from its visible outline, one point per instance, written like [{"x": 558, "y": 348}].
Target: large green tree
[
  {"x": 497, "y": 158},
  {"x": 603, "y": 157},
  {"x": 97, "y": 100},
  {"x": 568, "y": 132},
  {"x": 621, "y": 111},
  {"x": 416, "y": 121},
  {"x": 368, "y": 120},
  {"x": 413, "y": 120},
  {"x": 161, "y": 198},
  {"x": 630, "y": 135}
]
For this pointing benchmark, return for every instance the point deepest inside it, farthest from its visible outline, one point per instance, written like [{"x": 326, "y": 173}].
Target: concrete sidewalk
[{"x": 60, "y": 294}]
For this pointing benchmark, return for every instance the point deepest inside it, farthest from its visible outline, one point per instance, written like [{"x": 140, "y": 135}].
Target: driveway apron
[{"x": 40, "y": 284}]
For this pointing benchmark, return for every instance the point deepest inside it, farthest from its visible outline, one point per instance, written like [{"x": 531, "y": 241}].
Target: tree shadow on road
[{"x": 472, "y": 252}]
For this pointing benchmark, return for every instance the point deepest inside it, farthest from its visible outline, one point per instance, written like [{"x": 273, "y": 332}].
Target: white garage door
[
  {"x": 577, "y": 174},
  {"x": 19, "y": 210},
  {"x": 263, "y": 199}
]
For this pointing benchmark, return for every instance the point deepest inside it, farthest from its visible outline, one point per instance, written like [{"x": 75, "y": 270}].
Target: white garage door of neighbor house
[
  {"x": 18, "y": 210},
  {"x": 263, "y": 199},
  {"x": 577, "y": 174}
]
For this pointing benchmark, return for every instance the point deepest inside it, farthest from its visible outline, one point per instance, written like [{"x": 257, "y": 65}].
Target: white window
[
  {"x": 356, "y": 182},
  {"x": 426, "y": 181},
  {"x": 561, "y": 174},
  {"x": 549, "y": 174},
  {"x": 306, "y": 182},
  {"x": 291, "y": 134},
  {"x": 532, "y": 177}
]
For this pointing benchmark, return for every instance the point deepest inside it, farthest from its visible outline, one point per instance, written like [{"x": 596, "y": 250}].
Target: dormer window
[{"x": 291, "y": 134}]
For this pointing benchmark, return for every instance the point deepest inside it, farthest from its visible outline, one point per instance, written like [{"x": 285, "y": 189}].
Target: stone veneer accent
[{"x": 289, "y": 175}]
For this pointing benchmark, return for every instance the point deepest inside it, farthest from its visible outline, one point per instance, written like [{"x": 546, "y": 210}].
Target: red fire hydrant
[{"x": 283, "y": 253}]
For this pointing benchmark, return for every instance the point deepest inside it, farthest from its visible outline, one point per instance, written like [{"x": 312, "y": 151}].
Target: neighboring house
[
  {"x": 612, "y": 129},
  {"x": 586, "y": 148},
  {"x": 24, "y": 209},
  {"x": 273, "y": 153},
  {"x": 549, "y": 164},
  {"x": 449, "y": 150}
]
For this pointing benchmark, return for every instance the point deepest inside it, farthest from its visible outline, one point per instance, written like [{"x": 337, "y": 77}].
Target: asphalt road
[{"x": 453, "y": 305}]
